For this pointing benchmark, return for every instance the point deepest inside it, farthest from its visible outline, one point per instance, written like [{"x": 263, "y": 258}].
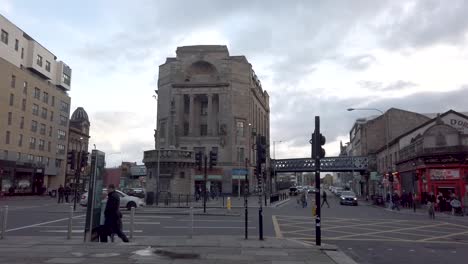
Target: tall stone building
[
  {"x": 78, "y": 139},
  {"x": 208, "y": 101},
  {"x": 34, "y": 111}
]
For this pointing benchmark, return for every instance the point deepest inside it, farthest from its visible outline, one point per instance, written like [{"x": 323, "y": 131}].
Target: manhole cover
[{"x": 176, "y": 255}]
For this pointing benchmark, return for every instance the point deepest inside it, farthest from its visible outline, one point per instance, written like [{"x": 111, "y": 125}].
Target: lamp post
[
  {"x": 157, "y": 146},
  {"x": 274, "y": 165},
  {"x": 386, "y": 142}
]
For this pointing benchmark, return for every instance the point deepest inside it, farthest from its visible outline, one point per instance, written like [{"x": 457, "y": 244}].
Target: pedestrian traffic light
[
  {"x": 71, "y": 160},
  {"x": 84, "y": 159},
  {"x": 213, "y": 159},
  {"x": 317, "y": 146},
  {"x": 198, "y": 160}
]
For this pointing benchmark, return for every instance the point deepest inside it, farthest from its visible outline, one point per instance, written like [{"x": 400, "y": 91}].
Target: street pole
[
  {"x": 246, "y": 208},
  {"x": 156, "y": 97},
  {"x": 317, "y": 146},
  {"x": 206, "y": 179}
]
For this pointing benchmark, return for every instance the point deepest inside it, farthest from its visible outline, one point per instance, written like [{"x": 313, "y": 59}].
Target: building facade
[
  {"x": 209, "y": 101},
  {"x": 78, "y": 141},
  {"x": 34, "y": 112}
]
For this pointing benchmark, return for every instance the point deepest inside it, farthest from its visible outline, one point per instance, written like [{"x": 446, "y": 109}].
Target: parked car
[
  {"x": 126, "y": 201},
  {"x": 348, "y": 197},
  {"x": 338, "y": 191},
  {"x": 137, "y": 192},
  {"x": 293, "y": 191}
]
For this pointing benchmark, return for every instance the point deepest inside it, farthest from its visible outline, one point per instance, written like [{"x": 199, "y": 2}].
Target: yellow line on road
[
  {"x": 388, "y": 231},
  {"x": 446, "y": 236},
  {"x": 367, "y": 224},
  {"x": 277, "y": 227}
]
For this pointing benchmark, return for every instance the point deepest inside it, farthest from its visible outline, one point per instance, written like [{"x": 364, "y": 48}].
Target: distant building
[
  {"x": 208, "y": 101},
  {"x": 78, "y": 140},
  {"x": 34, "y": 112}
]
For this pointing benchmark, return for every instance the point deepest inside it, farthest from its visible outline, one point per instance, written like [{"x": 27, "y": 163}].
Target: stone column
[
  {"x": 192, "y": 116},
  {"x": 209, "y": 121}
]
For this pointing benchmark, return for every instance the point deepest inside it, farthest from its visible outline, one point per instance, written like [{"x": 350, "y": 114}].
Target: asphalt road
[{"x": 368, "y": 234}]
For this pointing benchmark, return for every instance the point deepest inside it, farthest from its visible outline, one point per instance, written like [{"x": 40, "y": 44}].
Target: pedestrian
[
  {"x": 324, "y": 199},
  {"x": 304, "y": 200},
  {"x": 67, "y": 193},
  {"x": 396, "y": 201},
  {"x": 112, "y": 214},
  {"x": 404, "y": 199},
  {"x": 410, "y": 200},
  {"x": 440, "y": 202},
  {"x": 61, "y": 192}
]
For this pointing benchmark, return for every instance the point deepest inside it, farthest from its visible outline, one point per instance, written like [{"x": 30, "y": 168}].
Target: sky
[{"x": 314, "y": 58}]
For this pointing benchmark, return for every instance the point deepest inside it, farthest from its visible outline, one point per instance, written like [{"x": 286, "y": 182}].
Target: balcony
[
  {"x": 169, "y": 156},
  {"x": 417, "y": 149}
]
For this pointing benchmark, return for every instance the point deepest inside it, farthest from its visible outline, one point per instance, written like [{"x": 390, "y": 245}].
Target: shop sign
[
  {"x": 239, "y": 172},
  {"x": 375, "y": 176},
  {"x": 444, "y": 174}
]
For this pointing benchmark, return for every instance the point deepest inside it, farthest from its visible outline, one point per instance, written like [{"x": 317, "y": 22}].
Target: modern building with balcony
[
  {"x": 208, "y": 101},
  {"x": 34, "y": 113}
]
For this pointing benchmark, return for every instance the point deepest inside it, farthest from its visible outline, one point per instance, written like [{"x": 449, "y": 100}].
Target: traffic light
[
  {"x": 84, "y": 159},
  {"x": 198, "y": 159},
  {"x": 71, "y": 160},
  {"x": 213, "y": 159},
  {"x": 321, "y": 150},
  {"x": 261, "y": 149},
  {"x": 390, "y": 176}
]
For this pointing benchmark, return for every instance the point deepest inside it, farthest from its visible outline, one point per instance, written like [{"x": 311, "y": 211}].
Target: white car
[{"x": 126, "y": 201}]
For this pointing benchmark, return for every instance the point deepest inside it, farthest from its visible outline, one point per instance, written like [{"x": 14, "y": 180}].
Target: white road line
[
  {"x": 210, "y": 227},
  {"x": 136, "y": 223},
  {"x": 277, "y": 227},
  {"x": 41, "y": 224},
  {"x": 81, "y": 231},
  {"x": 150, "y": 216},
  {"x": 211, "y": 220}
]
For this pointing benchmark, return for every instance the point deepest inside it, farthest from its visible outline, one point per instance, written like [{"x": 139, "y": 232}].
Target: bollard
[
  {"x": 70, "y": 223},
  {"x": 4, "y": 221},
  {"x": 191, "y": 222},
  {"x": 229, "y": 203},
  {"x": 132, "y": 221}
]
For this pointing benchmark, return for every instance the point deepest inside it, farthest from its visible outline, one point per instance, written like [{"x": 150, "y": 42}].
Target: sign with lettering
[
  {"x": 444, "y": 174},
  {"x": 459, "y": 124}
]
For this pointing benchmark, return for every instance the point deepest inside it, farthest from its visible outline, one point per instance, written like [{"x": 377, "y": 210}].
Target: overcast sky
[{"x": 313, "y": 58}]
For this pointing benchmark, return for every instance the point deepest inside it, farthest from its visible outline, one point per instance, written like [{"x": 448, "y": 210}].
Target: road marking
[
  {"x": 211, "y": 220},
  {"x": 81, "y": 231},
  {"x": 136, "y": 223},
  {"x": 446, "y": 236},
  {"x": 150, "y": 216},
  {"x": 277, "y": 227},
  {"x": 41, "y": 224},
  {"x": 368, "y": 224},
  {"x": 388, "y": 231},
  {"x": 210, "y": 227}
]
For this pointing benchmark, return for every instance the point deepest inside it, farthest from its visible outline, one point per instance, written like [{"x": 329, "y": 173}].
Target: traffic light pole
[
  {"x": 206, "y": 179},
  {"x": 77, "y": 177},
  {"x": 317, "y": 147}
]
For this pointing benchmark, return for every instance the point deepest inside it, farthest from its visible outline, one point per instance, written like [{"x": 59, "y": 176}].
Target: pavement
[{"x": 200, "y": 249}]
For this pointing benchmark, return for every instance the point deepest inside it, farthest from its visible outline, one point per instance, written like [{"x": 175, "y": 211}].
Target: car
[
  {"x": 348, "y": 197},
  {"x": 312, "y": 190},
  {"x": 293, "y": 191},
  {"x": 126, "y": 201},
  {"x": 338, "y": 191},
  {"x": 137, "y": 192}
]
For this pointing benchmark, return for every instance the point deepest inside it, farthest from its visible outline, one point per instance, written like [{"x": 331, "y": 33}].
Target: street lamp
[
  {"x": 157, "y": 146},
  {"x": 386, "y": 141},
  {"x": 274, "y": 158}
]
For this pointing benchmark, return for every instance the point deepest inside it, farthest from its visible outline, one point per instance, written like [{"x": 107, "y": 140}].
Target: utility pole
[
  {"x": 317, "y": 141},
  {"x": 206, "y": 180}
]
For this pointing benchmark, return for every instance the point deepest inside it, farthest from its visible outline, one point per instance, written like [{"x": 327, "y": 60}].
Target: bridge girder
[{"x": 328, "y": 164}]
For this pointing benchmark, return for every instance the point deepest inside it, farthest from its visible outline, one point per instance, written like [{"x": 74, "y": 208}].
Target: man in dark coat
[
  {"x": 112, "y": 214},
  {"x": 61, "y": 192},
  {"x": 67, "y": 193}
]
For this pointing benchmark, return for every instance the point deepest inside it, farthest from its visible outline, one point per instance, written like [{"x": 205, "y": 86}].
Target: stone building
[
  {"x": 368, "y": 137},
  {"x": 34, "y": 112},
  {"x": 78, "y": 139},
  {"x": 208, "y": 101}
]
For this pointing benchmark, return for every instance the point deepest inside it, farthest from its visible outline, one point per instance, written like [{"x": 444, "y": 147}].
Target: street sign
[{"x": 239, "y": 171}]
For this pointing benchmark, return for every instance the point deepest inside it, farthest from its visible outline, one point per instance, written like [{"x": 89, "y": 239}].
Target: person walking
[
  {"x": 61, "y": 192},
  {"x": 67, "y": 193},
  {"x": 396, "y": 201},
  {"x": 324, "y": 199},
  {"x": 112, "y": 214},
  {"x": 304, "y": 200},
  {"x": 431, "y": 201}
]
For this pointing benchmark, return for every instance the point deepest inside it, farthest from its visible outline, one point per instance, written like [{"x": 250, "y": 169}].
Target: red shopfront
[{"x": 444, "y": 179}]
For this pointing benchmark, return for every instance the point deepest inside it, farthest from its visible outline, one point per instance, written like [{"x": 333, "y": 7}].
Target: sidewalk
[{"x": 200, "y": 249}]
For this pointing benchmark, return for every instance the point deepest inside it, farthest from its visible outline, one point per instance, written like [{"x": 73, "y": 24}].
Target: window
[
  {"x": 203, "y": 130},
  {"x": 37, "y": 93},
  {"x": 20, "y": 140},
  {"x": 240, "y": 154},
  {"x": 5, "y": 154},
  {"x": 182, "y": 174},
  {"x": 18, "y": 156},
  {"x": 61, "y": 134},
  {"x": 66, "y": 79},
  {"x": 51, "y": 116},
  {"x": 47, "y": 161},
  {"x": 13, "y": 81},
  {"x": 204, "y": 108},
  {"x": 16, "y": 44},
  {"x": 22, "y": 122},
  {"x": 39, "y": 159},
  {"x": 49, "y": 146},
  {"x": 10, "y": 117},
  {"x": 60, "y": 149},
  {"x": 25, "y": 88},
  {"x": 44, "y": 113},
  {"x": 63, "y": 120},
  {"x": 45, "y": 97},
  {"x": 39, "y": 60},
  {"x": 12, "y": 99},
  {"x": 22, "y": 53},
  {"x": 53, "y": 101},
  {"x": 32, "y": 143},
  {"x": 7, "y": 137},
  {"x": 43, "y": 129},
  {"x": 47, "y": 66},
  {"x": 186, "y": 128},
  {"x": 4, "y": 37},
  {"x": 23, "y": 105},
  {"x": 240, "y": 129},
  {"x": 64, "y": 106},
  {"x": 35, "y": 109},
  {"x": 41, "y": 144},
  {"x": 30, "y": 157},
  {"x": 33, "y": 126}
]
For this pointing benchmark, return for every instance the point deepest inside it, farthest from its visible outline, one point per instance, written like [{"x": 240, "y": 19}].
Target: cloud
[
  {"x": 359, "y": 63},
  {"x": 393, "y": 86}
]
